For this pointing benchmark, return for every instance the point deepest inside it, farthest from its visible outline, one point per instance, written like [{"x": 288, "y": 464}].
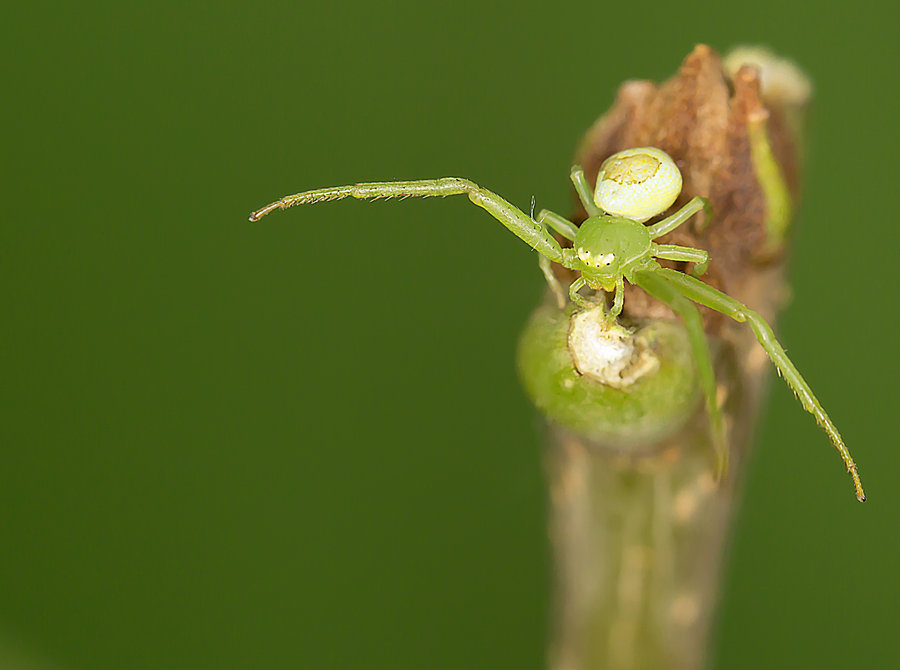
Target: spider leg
[
  {"x": 697, "y": 291},
  {"x": 584, "y": 191},
  {"x": 565, "y": 228},
  {"x": 558, "y": 223},
  {"x": 576, "y": 297},
  {"x": 618, "y": 300},
  {"x": 554, "y": 283},
  {"x": 673, "y": 252},
  {"x": 517, "y": 221},
  {"x": 670, "y": 223},
  {"x": 656, "y": 286}
]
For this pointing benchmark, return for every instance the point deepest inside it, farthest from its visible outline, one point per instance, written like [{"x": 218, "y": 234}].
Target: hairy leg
[
  {"x": 697, "y": 291},
  {"x": 522, "y": 225}
]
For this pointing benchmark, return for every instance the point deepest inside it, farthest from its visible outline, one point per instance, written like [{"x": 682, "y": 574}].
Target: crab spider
[{"x": 613, "y": 246}]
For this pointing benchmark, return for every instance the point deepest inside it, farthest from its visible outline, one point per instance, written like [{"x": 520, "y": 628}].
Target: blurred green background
[{"x": 302, "y": 443}]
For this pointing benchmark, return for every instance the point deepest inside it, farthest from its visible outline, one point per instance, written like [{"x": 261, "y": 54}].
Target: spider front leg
[
  {"x": 517, "y": 221},
  {"x": 618, "y": 300},
  {"x": 693, "y": 324},
  {"x": 697, "y": 291},
  {"x": 576, "y": 297}
]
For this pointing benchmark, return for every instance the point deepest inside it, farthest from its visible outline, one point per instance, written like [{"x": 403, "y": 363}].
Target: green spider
[{"x": 614, "y": 246}]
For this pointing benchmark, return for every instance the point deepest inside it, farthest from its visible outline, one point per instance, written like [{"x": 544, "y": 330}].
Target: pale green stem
[{"x": 639, "y": 533}]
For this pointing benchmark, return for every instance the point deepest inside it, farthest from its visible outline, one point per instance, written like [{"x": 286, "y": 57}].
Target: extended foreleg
[{"x": 522, "y": 225}]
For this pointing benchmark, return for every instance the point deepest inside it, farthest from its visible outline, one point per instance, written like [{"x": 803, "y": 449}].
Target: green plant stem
[{"x": 639, "y": 540}]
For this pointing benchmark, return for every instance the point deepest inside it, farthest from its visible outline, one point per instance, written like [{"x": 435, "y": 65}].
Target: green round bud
[{"x": 610, "y": 385}]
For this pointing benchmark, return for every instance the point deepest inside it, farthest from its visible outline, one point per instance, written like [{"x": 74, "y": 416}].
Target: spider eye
[
  {"x": 637, "y": 183},
  {"x": 599, "y": 261}
]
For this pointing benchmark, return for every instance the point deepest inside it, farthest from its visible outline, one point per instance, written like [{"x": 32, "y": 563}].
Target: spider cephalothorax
[{"x": 610, "y": 247}]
